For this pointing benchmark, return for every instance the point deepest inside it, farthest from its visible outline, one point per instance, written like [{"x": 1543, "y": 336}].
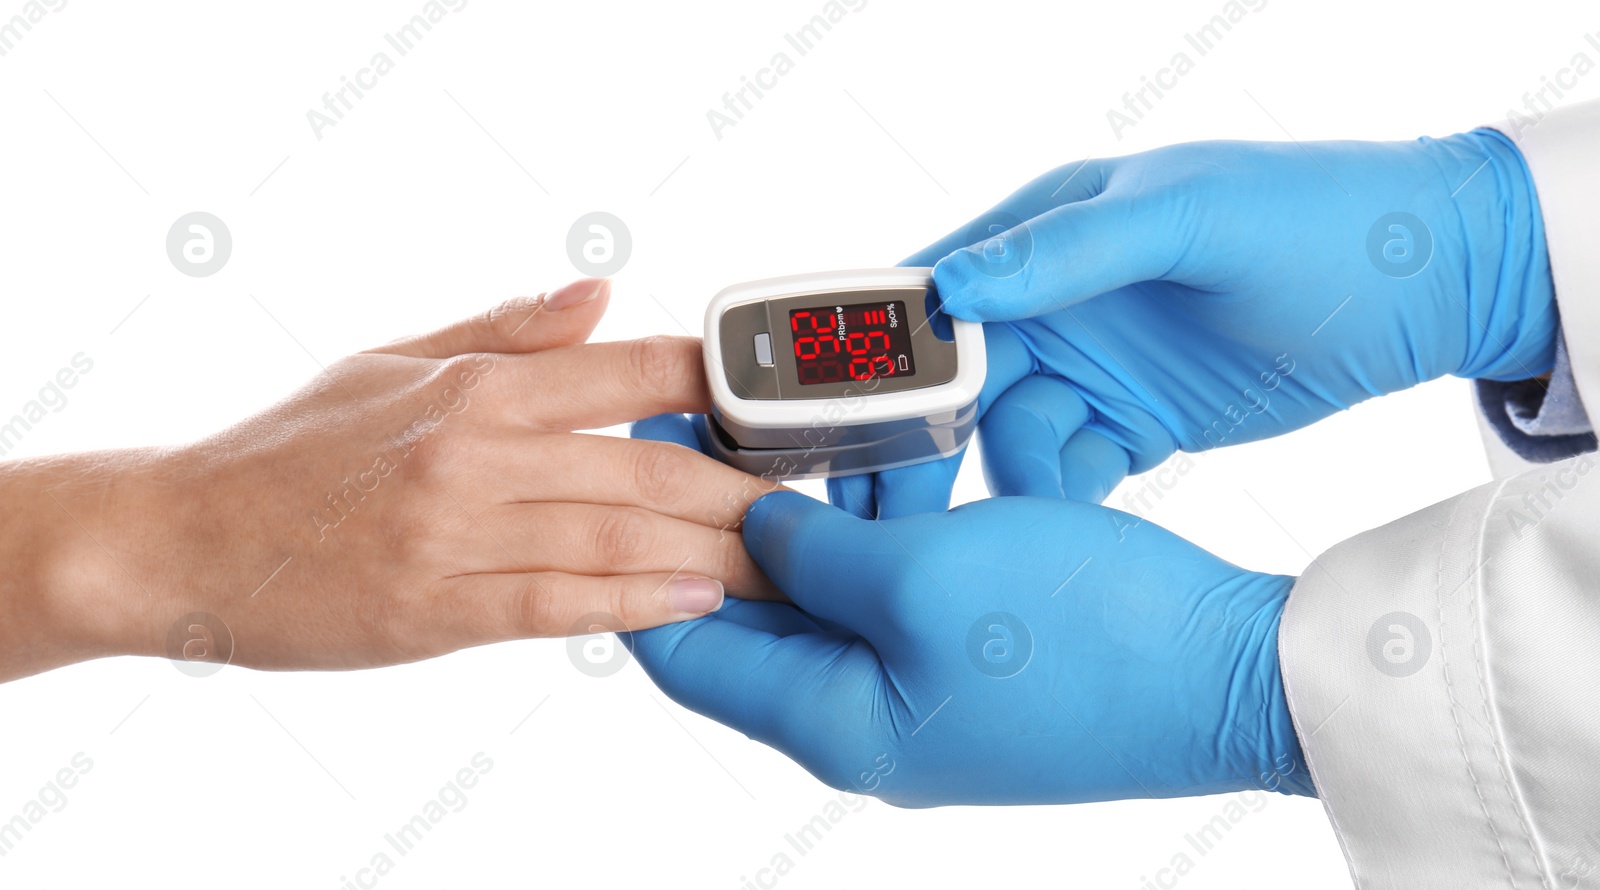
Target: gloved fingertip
[
  {"x": 972, "y": 289},
  {"x": 953, "y": 279},
  {"x": 786, "y": 533},
  {"x": 770, "y": 511},
  {"x": 1092, "y": 466},
  {"x": 660, "y": 428}
]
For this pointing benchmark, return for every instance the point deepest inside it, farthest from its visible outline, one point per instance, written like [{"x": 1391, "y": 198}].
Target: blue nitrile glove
[
  {"x": 1221, "y": 292},
  {"x": 1011, "y": 651}
]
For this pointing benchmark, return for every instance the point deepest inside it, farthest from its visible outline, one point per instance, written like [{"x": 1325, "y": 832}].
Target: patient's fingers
[{"x": 524, "y": 324}]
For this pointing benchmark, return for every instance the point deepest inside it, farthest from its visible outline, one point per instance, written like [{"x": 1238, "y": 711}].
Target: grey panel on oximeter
[{"x": 838, "y": 373}]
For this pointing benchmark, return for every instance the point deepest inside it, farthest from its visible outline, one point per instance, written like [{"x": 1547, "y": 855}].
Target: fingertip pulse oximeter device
[{"x": 839, "y": 373}]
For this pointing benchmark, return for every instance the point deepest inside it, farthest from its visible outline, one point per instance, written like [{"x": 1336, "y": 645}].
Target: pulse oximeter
[{"x": 838, "y": 373}]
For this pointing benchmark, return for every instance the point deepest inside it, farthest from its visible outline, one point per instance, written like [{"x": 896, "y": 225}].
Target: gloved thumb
[
  {"x": 1059, "y": 258},
  {"x": 832, "y": 564}
]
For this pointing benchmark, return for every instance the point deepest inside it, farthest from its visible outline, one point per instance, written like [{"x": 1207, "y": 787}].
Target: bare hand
[{"x": 416, "y": 499}]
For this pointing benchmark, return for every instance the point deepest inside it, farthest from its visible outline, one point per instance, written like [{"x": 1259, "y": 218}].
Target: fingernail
[
  {"x": 575, "y": 294},
  {"x": 695, "y": 596}
]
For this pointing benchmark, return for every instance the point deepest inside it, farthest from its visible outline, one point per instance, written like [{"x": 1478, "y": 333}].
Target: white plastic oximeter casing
[{"x": 838, "y": 373}]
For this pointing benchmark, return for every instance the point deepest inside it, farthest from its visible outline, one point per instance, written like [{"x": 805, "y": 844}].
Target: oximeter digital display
[
  {"x": 862, "y": 341},
  {"x": 838, "y": 373}
]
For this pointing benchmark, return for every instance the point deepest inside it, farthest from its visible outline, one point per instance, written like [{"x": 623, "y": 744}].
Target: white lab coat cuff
[{"x": 1442, "y": 673}]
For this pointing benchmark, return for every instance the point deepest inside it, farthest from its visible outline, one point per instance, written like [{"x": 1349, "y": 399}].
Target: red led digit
[
  {"x": 813, "y": 322},
  {"x": 835, "y": 344}
]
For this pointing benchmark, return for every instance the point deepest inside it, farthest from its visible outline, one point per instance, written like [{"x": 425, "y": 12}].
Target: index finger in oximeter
[{"x": 838, "y": 373}]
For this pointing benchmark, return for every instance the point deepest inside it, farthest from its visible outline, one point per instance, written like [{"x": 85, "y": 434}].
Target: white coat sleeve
[{"x": 1444, "y": 670}]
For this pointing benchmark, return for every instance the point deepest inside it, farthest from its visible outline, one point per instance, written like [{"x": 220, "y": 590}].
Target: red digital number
[
  {"x": 816, "y": 347},
  {"x": 863, "y": 364}
]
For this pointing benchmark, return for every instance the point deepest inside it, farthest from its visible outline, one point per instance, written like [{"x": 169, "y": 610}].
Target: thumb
[
  {"x": 831, "y": 564},
  {"x": 1059, "y": 258}
]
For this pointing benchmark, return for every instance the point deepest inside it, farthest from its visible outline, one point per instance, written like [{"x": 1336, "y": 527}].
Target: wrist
[
  {"x": 1509, "y": 294},
  {"x": 78, "y": 582},
  {"x": 1269, "y": 756}
]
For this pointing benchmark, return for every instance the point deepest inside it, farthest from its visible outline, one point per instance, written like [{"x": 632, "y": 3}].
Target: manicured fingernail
[
  {"x": 695, "y": 596},
  {"x": 576, "y": 294}
]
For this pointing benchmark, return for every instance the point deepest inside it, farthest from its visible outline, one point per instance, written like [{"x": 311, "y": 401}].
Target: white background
[{"x": 905, "y": 121}]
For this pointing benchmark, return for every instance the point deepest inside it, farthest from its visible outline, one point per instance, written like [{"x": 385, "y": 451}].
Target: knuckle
[
  {"x": 622, "y": 605},
  {"x": 622, "y": 538},
  {"x": 660, "y": 474},
  {"x": 387, "y": 625},
  {"x": 425, "y": 454},
  {"x": 504, "y": 322},
  {"x": 661, "y": 365},
  {"x": 412, "y": 532},
  {"x": 535, "y": 609},
  {"x": 457, "y": 376}
]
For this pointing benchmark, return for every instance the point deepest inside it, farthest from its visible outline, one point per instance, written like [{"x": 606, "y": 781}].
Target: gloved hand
[
  {"x": 1215, "y": 293},
  {"x": 1011, "y": 651}
]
